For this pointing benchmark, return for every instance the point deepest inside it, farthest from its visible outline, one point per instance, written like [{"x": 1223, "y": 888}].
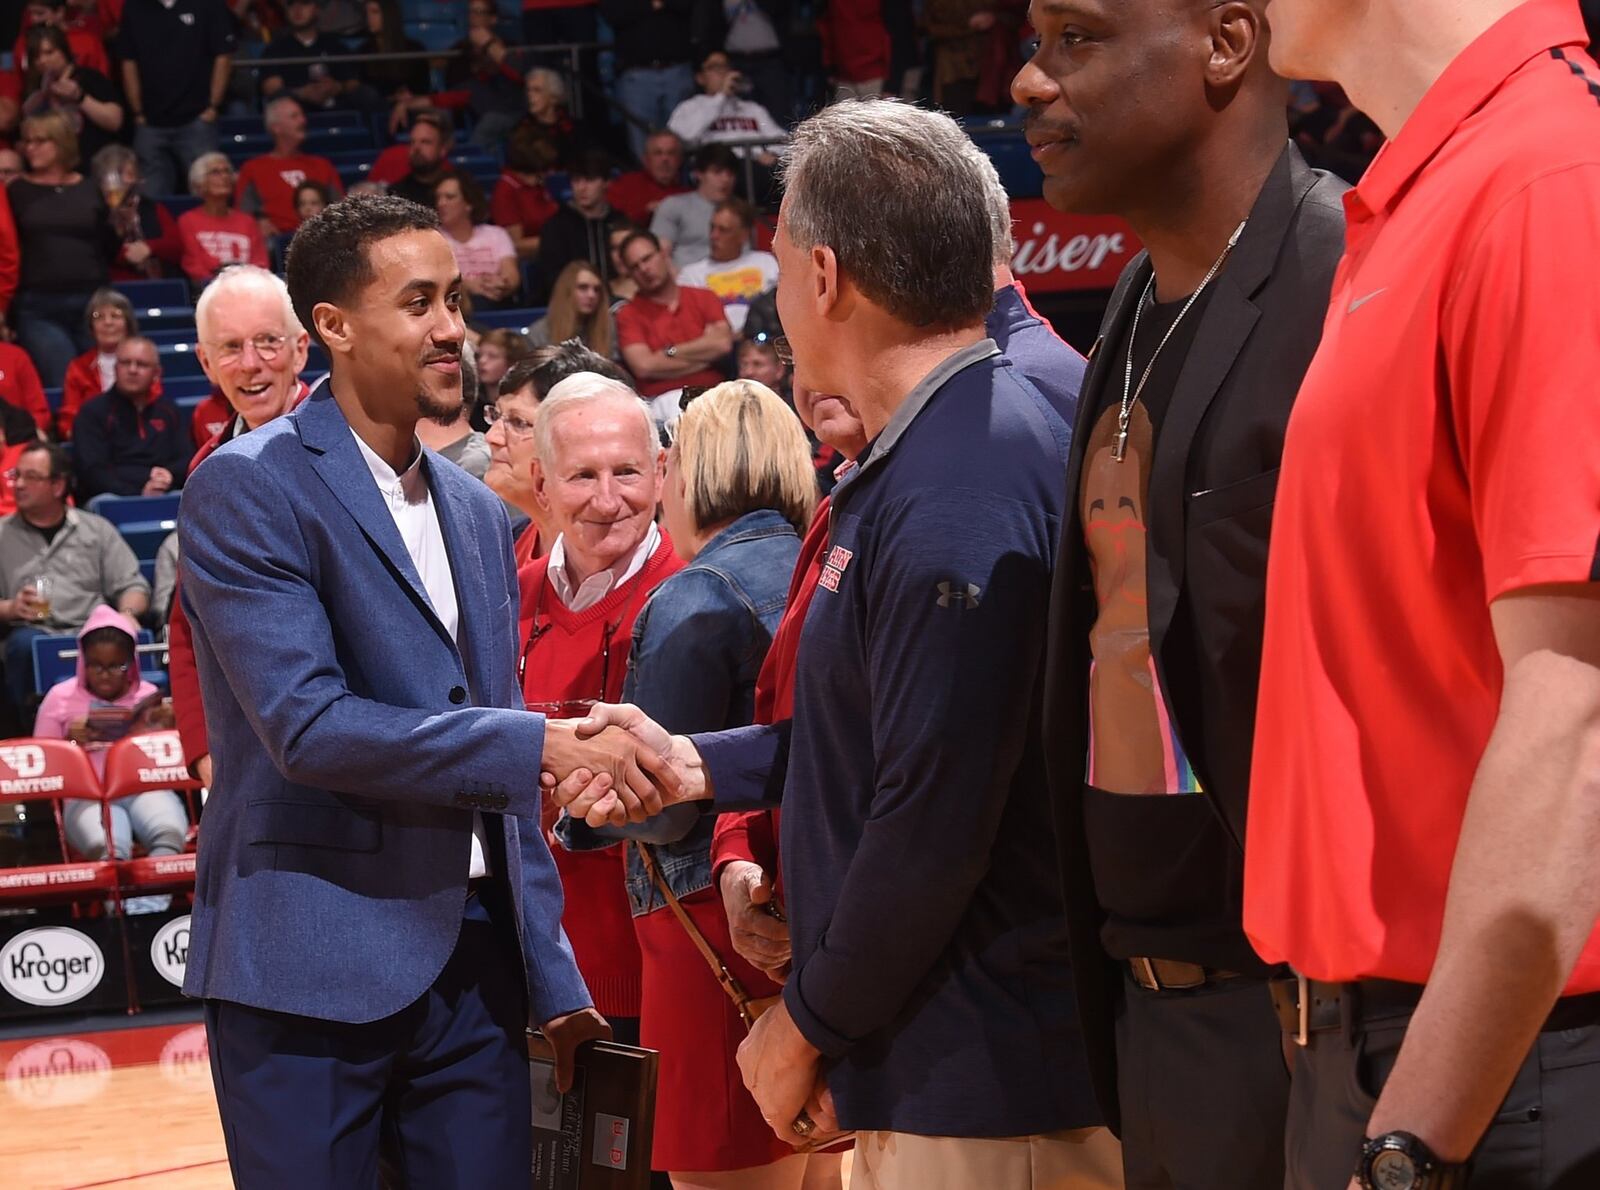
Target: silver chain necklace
[{"x": 1131, "y": 394}]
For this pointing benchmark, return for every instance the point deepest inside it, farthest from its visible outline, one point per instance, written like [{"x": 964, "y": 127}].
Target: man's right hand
[
  {"x": 24, "y": 605},
  {"x": 159, "y": 483},
  {"x": 761, "y": 939},
  {"x": 611, "y": 762},
  {"x": 599, "y": 800}
]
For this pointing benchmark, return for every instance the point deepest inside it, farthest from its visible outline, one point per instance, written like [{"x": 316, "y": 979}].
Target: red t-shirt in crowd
[
  {"x": 636, "y": 195},
  {"x": 211, "y": 242},
  {"x": 517, "y": 203},
  {"x": 266, "y": 185},
  {"x": 1444, "y": 451},
  {"x": 643, "y": 320},
  {"x": 19, "y": 384}
]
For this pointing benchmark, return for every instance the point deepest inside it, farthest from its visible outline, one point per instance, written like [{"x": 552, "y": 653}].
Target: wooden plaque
[{"x": 598, "y": 1135}]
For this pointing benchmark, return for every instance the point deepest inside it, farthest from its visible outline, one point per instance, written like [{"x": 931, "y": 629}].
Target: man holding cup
[{"x": 56, "y": 565}]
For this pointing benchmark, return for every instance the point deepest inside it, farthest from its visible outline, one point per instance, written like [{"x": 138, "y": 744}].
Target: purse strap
[{"x": 730, "y": 984}]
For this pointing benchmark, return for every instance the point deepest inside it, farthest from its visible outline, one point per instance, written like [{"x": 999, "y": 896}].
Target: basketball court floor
[{"x": 94, "y": 1106}]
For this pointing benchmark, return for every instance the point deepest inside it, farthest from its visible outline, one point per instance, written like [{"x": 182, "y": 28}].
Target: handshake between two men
[{"x": 618, "y": 767}]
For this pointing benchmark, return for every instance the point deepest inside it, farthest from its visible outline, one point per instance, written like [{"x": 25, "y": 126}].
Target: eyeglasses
[
  {"x": 31, "y": 476},
  {"x": 107, "y": 315},
  {"x": 34, "y": 140},
  {"x": 519, "y": 426},
  {"x": 268, "y": 347},
  {"x": 121, "y": 667}
]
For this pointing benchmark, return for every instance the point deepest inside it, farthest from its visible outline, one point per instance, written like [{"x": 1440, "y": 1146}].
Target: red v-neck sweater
[{"x": 564, "y": 660}]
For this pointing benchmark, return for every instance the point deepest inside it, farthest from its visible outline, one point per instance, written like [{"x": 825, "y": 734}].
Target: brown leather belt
[
  {"x": 1172, "y": 975},
  {"x": 1307, "y": 1007}
]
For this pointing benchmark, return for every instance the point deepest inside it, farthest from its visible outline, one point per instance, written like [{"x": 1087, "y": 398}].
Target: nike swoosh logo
[{"x": 1362, "y": 301}]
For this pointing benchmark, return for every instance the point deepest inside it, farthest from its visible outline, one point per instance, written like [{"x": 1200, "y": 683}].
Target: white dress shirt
[
  {"x": 597, "y": 586},
  {"x": 410, "y": 503}
]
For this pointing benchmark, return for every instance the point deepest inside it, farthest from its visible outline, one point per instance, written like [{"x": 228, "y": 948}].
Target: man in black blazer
[{"x": 1166, "y": 113}]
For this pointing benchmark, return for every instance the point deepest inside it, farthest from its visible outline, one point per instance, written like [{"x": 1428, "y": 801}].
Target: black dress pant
[
  {"x": 1203, "y": 1088},
  {"x": 1546, "y": 1135}
]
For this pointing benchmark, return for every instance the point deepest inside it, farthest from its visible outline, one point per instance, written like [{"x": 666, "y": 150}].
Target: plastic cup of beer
[{"x": 41, "y": 596}]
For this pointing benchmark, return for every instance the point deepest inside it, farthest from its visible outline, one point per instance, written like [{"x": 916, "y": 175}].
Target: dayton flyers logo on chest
[{"x": 833, "y": 569}]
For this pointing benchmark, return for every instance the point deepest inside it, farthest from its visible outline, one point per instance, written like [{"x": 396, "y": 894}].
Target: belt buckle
[
  {"x": 1148, "y": 969},
  {"x": 1302, "y": 988}
]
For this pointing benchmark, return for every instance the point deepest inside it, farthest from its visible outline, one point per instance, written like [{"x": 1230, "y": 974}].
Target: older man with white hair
[
  {"x": 597, "y": 473},
  {"x": 252, "y": 348},
  {"x": 930, "y": 976},
  {"x": 267, "y": 183}
]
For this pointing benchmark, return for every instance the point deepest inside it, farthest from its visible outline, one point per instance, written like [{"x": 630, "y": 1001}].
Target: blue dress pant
[{"x": 442, "y": 1086}]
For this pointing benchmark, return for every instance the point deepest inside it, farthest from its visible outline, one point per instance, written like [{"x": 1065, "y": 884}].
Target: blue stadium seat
[
  {"x": 170, "y": 291},
  {"x": 125, "y": 510},
  {"x": 239, "y": 145},
  {"x": 52, "y": 398},
  {"x": 334, "y": 140},
  {"x": 516, "y": 320},
  {"x": 147, "y": 567},
  {"x": 146, "y": 536},
  {"x": 435, "y": 35},
  {"x": 177, "y": 204},
  {"x": 178, "y": 360},
  {"x": 188, "y": 403},
  {"x": 181, "y": 389},
  {"x": 170, "y": 336},
  {"x": 1005, "y": 145},
  {"x": 164, "y": 318},
  {"x": 55, "y": 659}
]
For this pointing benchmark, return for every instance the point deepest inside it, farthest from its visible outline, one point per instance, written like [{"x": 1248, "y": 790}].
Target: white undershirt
[
  {"x": 597, "y": 586},
  {"x": 410, "y": 503},
  {"x": 106, "y": 361}
]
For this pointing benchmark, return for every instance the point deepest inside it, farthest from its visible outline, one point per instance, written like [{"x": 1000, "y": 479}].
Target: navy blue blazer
[{"x": 352, "y": 739}]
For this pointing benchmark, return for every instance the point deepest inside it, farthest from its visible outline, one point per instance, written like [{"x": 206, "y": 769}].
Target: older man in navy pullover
[{"x": 929, "y": 1006}]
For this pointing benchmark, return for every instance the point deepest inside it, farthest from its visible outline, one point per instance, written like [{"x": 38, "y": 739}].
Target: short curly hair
[{"x": 328, "y": 257}]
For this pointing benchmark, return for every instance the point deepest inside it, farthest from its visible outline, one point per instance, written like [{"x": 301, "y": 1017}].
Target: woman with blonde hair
[
  {"x": 580, "y": 308},
  {"x": 67, "y": 245},
  {"x": 739, "y": 490}
]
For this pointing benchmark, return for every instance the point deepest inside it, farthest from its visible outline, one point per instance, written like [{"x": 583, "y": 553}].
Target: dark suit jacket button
[{"x": 458, "y": 695}]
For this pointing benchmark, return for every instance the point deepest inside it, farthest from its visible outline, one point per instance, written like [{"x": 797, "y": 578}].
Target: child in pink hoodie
[{"x": 108, "y": 676}]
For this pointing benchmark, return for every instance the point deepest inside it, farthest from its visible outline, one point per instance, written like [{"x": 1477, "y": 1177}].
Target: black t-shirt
[
  {"x": 48, "y": 532},
  {"x": 174, "y": 49},
  {"x": 65, "y": 233},
  {"x": 1165, "y": 871},
  {"x": 287, "y": 45}
]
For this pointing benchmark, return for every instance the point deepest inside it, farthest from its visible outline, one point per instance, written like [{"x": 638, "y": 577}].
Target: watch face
[{"x": 1392, "y": 1170}]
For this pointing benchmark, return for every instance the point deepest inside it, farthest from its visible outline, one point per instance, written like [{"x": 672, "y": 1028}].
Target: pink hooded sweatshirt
[{"x": 69, "y": 701}]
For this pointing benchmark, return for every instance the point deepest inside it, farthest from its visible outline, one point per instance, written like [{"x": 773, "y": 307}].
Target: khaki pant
[{"x": 1080, "y": 1159}]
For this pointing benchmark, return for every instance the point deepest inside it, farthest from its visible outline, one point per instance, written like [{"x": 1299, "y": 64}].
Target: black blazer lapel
[
  {"x": 1096, "y": 978},
  {"x": 1230, "y": 316}
]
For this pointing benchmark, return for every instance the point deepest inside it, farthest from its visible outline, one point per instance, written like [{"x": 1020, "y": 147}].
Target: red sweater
[
  {"x": 569, "y": 656},
  {"x": 19, "y": 385},
  {"x": 753, "y": 834}
]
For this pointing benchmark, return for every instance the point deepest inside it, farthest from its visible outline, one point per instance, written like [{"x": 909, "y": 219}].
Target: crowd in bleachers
[{"x": 604, "y": 171}]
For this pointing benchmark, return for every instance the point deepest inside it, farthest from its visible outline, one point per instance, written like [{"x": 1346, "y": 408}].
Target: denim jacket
[{"x": 698, "y": 645}]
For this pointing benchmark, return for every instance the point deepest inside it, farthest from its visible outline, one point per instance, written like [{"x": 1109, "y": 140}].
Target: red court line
[{"x": 154, "y": 1173}]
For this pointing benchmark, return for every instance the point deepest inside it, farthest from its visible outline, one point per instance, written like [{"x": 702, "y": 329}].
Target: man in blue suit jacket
[{"x": 377, "y": 916}]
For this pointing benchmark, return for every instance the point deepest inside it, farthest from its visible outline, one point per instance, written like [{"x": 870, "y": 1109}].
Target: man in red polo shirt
[
  {"x": 1425, "y": 801},
  {"x": 671, "y": 335},
  {"x": 267, "y": 183}
]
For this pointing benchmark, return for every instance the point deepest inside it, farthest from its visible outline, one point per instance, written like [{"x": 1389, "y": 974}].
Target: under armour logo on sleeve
[{"x": 951, "y": 595}]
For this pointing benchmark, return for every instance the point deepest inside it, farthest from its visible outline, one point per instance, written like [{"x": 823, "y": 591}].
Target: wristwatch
[
  {"x": 671, "y": 351},
  {"x": 1400, "y": 1161}
]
